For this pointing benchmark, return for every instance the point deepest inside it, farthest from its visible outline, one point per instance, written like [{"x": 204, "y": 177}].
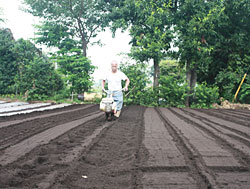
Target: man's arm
[
  {"x": 126, "y": 84},
  {"x": 103, "y": 84}
]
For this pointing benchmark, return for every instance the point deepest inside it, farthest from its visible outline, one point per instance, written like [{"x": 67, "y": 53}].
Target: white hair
[{"x": 114, "y": 62}]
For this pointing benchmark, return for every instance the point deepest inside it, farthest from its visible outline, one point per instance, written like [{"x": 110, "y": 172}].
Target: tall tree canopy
[
  {"x": 23, "y": 68},
  {"x": 68, "y": 23},
  {"x": 8, "y": 68},
  {"x": 212, "y": 37},
  {"x": 149, "y": 25},
  {"x": 76, "y": 69}
]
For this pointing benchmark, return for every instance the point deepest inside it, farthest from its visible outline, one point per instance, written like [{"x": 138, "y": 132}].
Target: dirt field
[{"x": 149, "y": 148}]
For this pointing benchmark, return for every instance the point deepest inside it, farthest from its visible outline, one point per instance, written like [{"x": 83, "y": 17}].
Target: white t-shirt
[{"x": 115, "y": 80}]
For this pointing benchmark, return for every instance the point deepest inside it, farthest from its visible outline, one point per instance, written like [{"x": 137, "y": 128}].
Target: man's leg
[{"x": 118, "y": 98}]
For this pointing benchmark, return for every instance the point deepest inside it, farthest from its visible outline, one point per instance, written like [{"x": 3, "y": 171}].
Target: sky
[{"x": 21, "y": 23}]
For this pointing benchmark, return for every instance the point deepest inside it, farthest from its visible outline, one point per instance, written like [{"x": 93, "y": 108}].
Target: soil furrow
[
  {"x": 14, "y": 152},
  {"x": 234, "y": 113},
  {"x": 203, "y": 176},
  {"x": 239, "y": 150},
  {"x": 112, "y": 161},
  {"x": 74, "y": 154},
  {"x": 13, "y": 134},
  {"x": 165, "y": 156},
  {"x": 233, "y": 118},
  {"x": 145, "y": 148},
  {"x": 40, "y": 167},
  {"x": 238, "y": 128},
  {"x": 239, "y": 111},
  {"x": 16, "y": 122}
]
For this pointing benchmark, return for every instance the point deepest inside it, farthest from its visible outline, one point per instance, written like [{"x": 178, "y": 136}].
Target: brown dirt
[
  {"x": 225, "y": 104},
  {"x": 74, "y": 147}
]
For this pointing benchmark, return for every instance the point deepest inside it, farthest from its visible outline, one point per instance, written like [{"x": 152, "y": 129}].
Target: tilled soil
[{"x": 74, "y": 147}]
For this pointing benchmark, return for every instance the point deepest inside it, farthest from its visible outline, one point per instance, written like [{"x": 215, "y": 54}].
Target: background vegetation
[{"x": 210, "y": 56}]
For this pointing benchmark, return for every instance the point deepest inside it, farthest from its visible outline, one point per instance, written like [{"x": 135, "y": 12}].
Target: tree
[
  {"x": 195, "y": 23},
  {"x": 68, "y": 23},
  {"x": 8, "y": 68},
  {"x": 40, "y": 79},
  {"x": 232, "y": 49},
  {"x": 150, "y": 27},
  {"x": 24, "y": 68},
  {"x": 25, "y": 52},
  {"x": 76, "y": 68},
  {"x": 152, "y": 34}
]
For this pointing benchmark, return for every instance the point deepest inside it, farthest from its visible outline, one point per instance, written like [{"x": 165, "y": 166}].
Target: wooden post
[{"x": 239, "y": 87}]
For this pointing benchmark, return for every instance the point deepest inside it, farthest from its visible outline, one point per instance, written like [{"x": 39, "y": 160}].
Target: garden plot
[{"x": 74, "y": 147}]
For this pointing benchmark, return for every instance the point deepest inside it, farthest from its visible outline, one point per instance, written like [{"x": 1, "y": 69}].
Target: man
[{"x": 114, "y": 79}]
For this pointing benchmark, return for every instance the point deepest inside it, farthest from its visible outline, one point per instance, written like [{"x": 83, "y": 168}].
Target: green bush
[
  {"x": 205, "y": 96},
  {"x": 244, "y": 95},
  {"x": 138, "y": 76},
  {"x": 61, "y": 95},
  {"x": 149, "y": 97},
  {"x": 172, "y": 93}
]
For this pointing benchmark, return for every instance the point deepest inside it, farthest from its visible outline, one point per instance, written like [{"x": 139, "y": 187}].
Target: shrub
[
  {"x": 245, "y": 94},
  {"x": 205, "y": 96}
]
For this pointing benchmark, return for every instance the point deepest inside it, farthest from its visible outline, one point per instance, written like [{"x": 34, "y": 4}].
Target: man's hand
[{"x": 125, "y": 88}]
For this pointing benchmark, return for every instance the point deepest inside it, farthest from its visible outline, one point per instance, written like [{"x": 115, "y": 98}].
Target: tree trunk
[
  {"x": 83, "y": 37},
  {"x": 156, "y": 79},
  {"x": 84, "y": 48},
  {"x": 191, "y": 80},
  {"x": 156, "y": 73}
]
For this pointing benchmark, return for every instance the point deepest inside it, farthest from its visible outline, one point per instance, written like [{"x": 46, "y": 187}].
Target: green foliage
[
  {"x": 205, "y": 96},
  {"x": 25, "y": 52},
  {"x": 172, "y": 84},
  {"x": 76, "y": 68},
  {"x": 151, "y": 32},
  {"x": 68, "y": 24},
  {"x": 41, "y": 80},
  {"x": 8, "y": 68},
  {"x": 244, "y": 94},
  {"x": 149, "y": 26},
  {"x": 138, "y": 76},
  {"x": 228, "y": 82},
  {"x": 172, "y": 92},
  {"x": 24, "y": 69},
  {"x": 149, "y": 97}
]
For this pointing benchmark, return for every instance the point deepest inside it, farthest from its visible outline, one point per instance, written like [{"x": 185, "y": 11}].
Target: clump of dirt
[{"x": 225, "y": 104}]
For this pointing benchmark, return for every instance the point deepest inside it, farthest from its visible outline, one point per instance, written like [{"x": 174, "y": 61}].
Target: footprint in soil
[
  {"x": 8, "y": 180},
  {"x": 42, "y": 159}
]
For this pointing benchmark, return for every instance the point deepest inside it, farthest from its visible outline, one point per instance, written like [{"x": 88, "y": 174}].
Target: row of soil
[
  {"x": 229, "y": 140},
  {"x": 229, "y": 116},
  {"x": 178, "y": 148},
  {"x": 73, "y": 160},
  {"x": 18, "y": 130},
  {"x": 239, "y": 128},
  {"x": 197, "y": 169},
  {"x": 230, "y": 167},
  {"x": 244, "y": 114},
  {"x": 239, "y": 111},
  {"x": 168, "y": 163}
]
